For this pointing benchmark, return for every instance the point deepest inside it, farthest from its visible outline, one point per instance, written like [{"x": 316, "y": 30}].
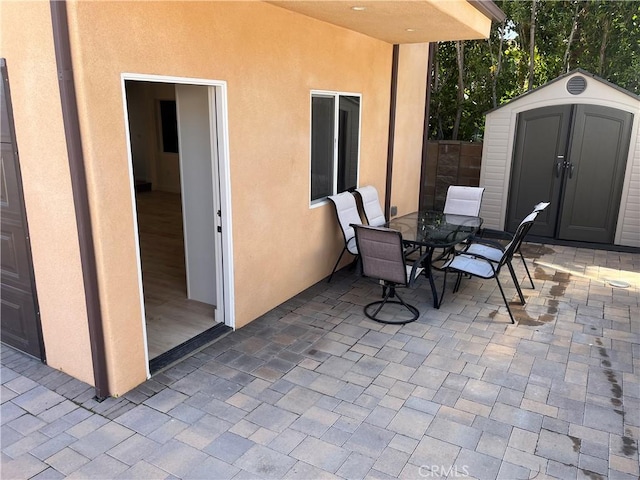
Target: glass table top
[{"x": 435, "y": 229}]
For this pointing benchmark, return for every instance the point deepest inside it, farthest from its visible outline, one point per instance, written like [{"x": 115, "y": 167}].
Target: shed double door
[{"x": 575, "y": 157}]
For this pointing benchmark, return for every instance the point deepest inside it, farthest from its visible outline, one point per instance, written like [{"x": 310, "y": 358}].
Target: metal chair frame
[
  {"x": 347, "y": 214},
  {"x": 462, "y": 200},
  {"x": 371, "y": 205},
  {"x": 471, "y": 264},
  {"x": 493, "y": 250},
  {"x": 383, "y": 258}
]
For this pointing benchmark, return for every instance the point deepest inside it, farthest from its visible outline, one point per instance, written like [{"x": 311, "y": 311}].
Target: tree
[
  {"x": 532, "y": 45},
  {"x": 539, "y": 41},
  {"x": 460, "y": 89},
  {"x": 574, "y": 28},
  {"x": 496, "y": 63}
]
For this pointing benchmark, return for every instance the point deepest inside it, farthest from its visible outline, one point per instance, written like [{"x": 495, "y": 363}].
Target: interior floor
[{"x": 171, "y": 318}]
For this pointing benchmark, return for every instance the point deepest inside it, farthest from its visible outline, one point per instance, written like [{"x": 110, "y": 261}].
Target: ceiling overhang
[{"x": 403, "y": 21}]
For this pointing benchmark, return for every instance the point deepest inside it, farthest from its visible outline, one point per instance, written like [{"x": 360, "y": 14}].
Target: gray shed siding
[{"x": 630, "y": 231}]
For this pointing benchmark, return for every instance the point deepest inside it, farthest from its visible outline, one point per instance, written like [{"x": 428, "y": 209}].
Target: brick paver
[{"x": 314, "y": 389}]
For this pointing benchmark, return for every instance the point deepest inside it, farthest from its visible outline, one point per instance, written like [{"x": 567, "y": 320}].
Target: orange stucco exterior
[
  {"x": 409, "y": 126},
  {"x": 271, "y": 59},
  {"x": 26, "y": 42}
]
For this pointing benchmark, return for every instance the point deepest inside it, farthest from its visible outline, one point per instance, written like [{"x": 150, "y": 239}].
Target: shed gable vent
[{"x": 576, "y": 85}]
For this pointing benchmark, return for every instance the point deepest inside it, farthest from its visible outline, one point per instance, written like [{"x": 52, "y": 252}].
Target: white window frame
[{"x": 336, "y": 96}]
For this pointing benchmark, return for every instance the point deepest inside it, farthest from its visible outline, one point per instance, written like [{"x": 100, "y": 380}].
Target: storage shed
[{"x": 574, "y": 142}]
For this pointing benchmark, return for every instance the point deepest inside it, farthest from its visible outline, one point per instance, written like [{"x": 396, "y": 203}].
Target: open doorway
[{"x": 175, "y": 147}]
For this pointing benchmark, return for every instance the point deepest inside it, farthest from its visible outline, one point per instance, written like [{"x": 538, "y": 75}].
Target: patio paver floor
[{"x": 313, "y": 389}]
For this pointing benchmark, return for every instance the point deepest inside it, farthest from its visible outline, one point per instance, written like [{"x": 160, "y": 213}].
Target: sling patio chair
[
  {"x": 383, "y": 258},
  {"x": 373, "y": 213},
  {"x": 347, "y": 214},
  {"x": 463, "y": 200},
  {"x": 479, "y": 266},
  {"x": 371, "y": 206},
  {"x": 460, "y": 200},
  {"x": 493, "y": 250}
]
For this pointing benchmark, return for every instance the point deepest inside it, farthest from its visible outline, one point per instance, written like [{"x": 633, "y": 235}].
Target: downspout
[
  {"x": 70, "y": 118},
  {"x": 392, "y": 128},
  {"x": 425, "y": 130}
]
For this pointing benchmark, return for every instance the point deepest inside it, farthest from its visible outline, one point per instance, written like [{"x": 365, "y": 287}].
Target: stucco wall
[
  {"x": 26, "y": 41},
  {"x": 407, "y": 154},
  {"x": 500, "y": 128},
  {"x": 271, "y": 59}
]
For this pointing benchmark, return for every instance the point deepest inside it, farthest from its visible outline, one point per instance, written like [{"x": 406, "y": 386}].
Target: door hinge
[{"x": 219, "y": 228}]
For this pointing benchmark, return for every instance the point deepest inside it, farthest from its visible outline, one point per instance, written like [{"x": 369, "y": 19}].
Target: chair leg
[
  {"x": 456, "y": 286},
  {"x": 506, "y": 303},
  {"x": 358, "y": 265},
  {"x": 390, "y": 293},
  {"x": 336, "y": 265},
  {"x": 444, "y": 288},
  {"x": 516, "y": 283},
  {"x": 387, "y": 292},
  {"x": 411, "y": 308},
  {"x": 527, "y": 269}
]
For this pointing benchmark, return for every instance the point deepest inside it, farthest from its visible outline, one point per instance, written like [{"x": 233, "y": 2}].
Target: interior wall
[
  {"x": 165, "y": 164},
  {"x": 26, "y": 41},
  {"x": 141, "y": 126},
  {"x": 409, "y": 130},
  {"x": 150, "y": 162},
  {"x": 271, "y": 59}
]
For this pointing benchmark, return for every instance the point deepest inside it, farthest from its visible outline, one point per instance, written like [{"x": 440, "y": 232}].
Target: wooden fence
[{"x": 449, "y": 163}]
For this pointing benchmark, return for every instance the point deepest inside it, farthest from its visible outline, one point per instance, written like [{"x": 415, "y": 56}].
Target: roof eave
[{"x": 490, "y": 9}]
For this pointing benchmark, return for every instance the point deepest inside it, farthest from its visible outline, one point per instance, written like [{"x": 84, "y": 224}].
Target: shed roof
[{"x": 566, "y": 75}]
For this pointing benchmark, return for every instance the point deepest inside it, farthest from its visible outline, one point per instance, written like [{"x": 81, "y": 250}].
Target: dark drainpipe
[
  {"x": 392, "y": 129},
  {"x": 71, "y": 123}
]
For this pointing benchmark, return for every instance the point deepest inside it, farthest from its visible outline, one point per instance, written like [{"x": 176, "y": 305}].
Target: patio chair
[
  {"x": 460, "y": 200},
  {"x": 382, "y": 256},
  {"x": 371, "y": 205},
  {"x": 494, "y": 250},
  {"x": 347, "y": 214},
  {"x": 463, "y": 200},
  {"x": 373, "y": 212},
  {"x": 479, "y": 266}
]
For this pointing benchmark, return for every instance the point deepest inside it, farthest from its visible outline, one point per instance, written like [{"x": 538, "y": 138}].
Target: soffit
[{"x": 399, "y": 21}]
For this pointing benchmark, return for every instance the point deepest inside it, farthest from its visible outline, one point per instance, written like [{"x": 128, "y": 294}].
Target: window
[{"x": 335, "y": 143}]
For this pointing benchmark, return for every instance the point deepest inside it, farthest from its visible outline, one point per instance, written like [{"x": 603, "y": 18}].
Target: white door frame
[{"x": 218, "y": 111}]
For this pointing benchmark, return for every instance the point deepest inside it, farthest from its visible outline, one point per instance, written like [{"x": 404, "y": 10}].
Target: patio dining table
[{"x": 431, "y": 230}]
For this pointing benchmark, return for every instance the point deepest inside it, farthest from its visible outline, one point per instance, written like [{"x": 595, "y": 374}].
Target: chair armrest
[
  {"x": 474, "y": 255},
  {"x": 417, "y": 267},
  {"x": 409, "y": 247},
  {"x": 465, "y": 264},
  {"x": 486, "y": 241},
  {"x": 466, "y": 255}
]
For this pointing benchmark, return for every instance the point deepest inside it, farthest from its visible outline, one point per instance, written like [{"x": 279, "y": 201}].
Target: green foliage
[{"x": 602, "y": 37}]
